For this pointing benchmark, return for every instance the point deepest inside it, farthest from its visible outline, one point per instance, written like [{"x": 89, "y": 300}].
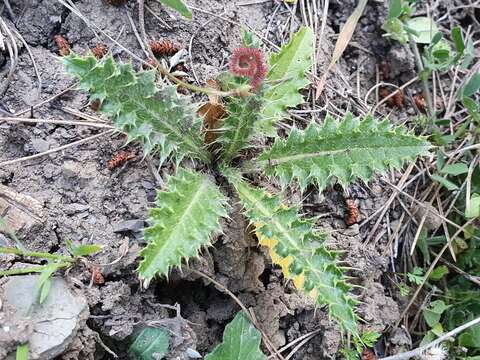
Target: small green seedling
[{"x": 55, "y": 263}]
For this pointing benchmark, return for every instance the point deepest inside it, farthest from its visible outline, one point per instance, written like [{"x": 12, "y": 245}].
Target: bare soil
[{"x": 81, "y": 199}]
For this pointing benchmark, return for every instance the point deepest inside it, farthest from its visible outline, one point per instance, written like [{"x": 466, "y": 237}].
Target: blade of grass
[
  {"x": 22, "y": 352},
  {"x": 343, "y": 39}
]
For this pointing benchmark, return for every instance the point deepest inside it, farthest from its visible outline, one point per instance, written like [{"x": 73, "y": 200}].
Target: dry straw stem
[
  {"x": 419, "y": 351},
  {"x": 57, "y": 122},
  {"x": 46, "y": 101},
  {"x": 51, "y": 151},
  {"x": 343, "y": 39},
  {"x": 12, "y": 48}
]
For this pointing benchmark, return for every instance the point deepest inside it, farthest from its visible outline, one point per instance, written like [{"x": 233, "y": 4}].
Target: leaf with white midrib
[
  {"x": 187, "y": 213},
  {"x": 341, "y": 150},
  {"x": 159, "y": 118},
  {"x": 278, "y": 225},
  {"x": 285, "y": 78}
]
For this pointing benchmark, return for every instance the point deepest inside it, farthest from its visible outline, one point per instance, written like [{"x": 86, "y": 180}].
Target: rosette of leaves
[{"x": 188, "y": 211}]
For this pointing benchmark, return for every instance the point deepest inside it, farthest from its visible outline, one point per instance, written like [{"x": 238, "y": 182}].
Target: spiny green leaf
[
  {"x": 187, "y": 212},
  {"x": 369, "y": 338},
  {"x": 299, "y": 250},
  {"x": 241, "y": 341},
  {"x": 160, "y": 119},
  {"x": 341, "y": 150},
  {"x": 150, "y": 343},
  {"x": 238, "y": 129},
  {"x": 285, "y": 78},
  {"x": 179, "y": 6}
]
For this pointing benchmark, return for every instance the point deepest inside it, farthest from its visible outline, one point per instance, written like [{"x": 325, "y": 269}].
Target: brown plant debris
[
  {"x": 62, "y": 44},
  {"x": 420, "y": 102},
  {"x": 368, "y": 354},
  {"x": 119, "y": 159},
  {"x": 95, "y": 104},
  {"x": 97, "y": 276},
  {"x": 149, "y": 65},
  {"x": 352, "y": 212},
  {"x": 397, "y": 100},
  {"x": 212, "y": 112},
  {"x": 100, "y": 50},
  {"x": 164, "y": 47}
]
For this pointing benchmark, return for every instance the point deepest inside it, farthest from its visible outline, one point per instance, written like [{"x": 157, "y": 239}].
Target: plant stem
[
  {"x": 421, "y": 349},
  {"x": 240, "y": 91},
  {"x": 5, "y": 250},
  {"x": 426, "y": 88}
]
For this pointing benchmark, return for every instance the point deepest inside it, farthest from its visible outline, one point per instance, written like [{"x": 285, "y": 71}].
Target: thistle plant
[{"x": 188, "y": 211}]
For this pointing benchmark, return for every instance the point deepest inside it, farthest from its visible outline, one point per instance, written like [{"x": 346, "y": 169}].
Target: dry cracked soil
[{"x": 71, "y": 194}]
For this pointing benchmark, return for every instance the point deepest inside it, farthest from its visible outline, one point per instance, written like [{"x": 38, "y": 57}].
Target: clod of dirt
[
  {"x": 378, "y": 310},
  {"x": 56, "y": 322},
  {"x": 400, "y": 341},
  {"x": 14, "y": 330},
  {"x": 22, "y": 213},
  {"x": 135, "y": 225},
  {"x": 432, "y": 220},
  {"x": 401, "y": 63},
  {"x": 37, "y": 19}
]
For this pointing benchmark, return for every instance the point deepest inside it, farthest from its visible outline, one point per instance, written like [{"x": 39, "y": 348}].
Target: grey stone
[
  {"x": 55, "y": 322},
  {"x": 83, "y": 172},
  {"x": 135, "y": 225},
  {"x": 69, "y": 169},
  {"x": 40, "y": 145}
]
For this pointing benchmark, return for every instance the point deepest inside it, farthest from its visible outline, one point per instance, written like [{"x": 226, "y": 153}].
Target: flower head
[
  {"x": 249, "y": 62},
  {"x": 435, "y": 353}
]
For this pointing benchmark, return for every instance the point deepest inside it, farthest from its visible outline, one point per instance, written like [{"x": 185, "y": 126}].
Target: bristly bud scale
[{"x": 249, "y": 62}]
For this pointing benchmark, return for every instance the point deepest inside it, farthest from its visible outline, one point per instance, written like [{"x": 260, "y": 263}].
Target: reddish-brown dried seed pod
[
  {"x": 352, "y": 212},
  {"x": 420, "y": 102},
  {"x": 97, "y": 276},
  {"x": 368, "y": 354},
  {"x": 397, "y": 100},
  {"x": 151, "y": 64},
  {"x": 100, "y": 50},
  {"x": 164, "y": 47},
  {"x": 119, "y": 159},
  {"x": 62, "y": 44}
]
